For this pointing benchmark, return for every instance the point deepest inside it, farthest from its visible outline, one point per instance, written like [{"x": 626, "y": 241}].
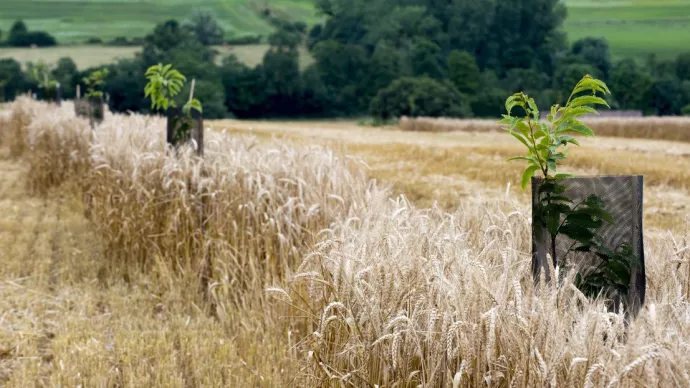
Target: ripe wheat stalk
[{"x": 377, "y": 291}]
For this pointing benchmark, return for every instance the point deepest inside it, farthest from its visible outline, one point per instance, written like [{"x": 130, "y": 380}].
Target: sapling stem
[{"x": 191, "y": 90}]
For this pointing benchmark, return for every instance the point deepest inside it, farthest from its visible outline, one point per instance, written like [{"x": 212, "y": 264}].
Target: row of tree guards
[
  {"x": 52, "y": 95},
  {"x": 590, "y": 224},
  {"x": 184, "y": 125},
  {"x": 91, "y": 107}
]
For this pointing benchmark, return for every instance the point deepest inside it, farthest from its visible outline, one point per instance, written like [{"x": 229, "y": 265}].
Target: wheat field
[{"x": 312, "y": 254}]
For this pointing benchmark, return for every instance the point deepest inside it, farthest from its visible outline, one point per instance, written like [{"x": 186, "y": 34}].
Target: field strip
[
  {"x": 66, "y": 319},
  {"x": 449, "y": 167}
]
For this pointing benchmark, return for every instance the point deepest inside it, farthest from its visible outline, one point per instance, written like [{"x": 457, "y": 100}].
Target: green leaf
[
  {"x": 583, "y": 220},
  {"x": 561, "y": 198},
  {"x": 507, "y": 119},
  {"x": 552, "y": 223},
  {"x": 551, "y": 163},
  {"x": 577, "y": 128},
  {"x": 601, "y": 213},
  {"x": 570, "y": 113},
  {"x": 513, "y": 101},
  {"x": 519, "y": 158},
  {"x": 563, "y": 176},
  {"x": 577, "y": 233},
  {"x": 533, "y": 108},
  {"x": 551, "y": 187},
  {"x": 522, "y": 140},
  {"x": 587, "y": 100},
  {"x": 528, "y": 174},
  {"x": 567, "y": 139},
  {"x": 556, "y": 208},
  {"x": 522, "y": 127},
  {"x": 589, "y": 83}
]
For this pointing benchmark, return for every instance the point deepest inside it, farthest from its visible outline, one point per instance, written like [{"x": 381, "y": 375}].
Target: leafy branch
[
  {"x": 164, "y": 84},
  {"x": 41, "y": 73},
  {"x": 546, "y": 143},
  {"x": 95, "y": 81}
]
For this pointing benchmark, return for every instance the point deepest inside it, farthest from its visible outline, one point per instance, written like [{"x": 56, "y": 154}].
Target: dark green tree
[
  {"x": 343, "y": 69},
  {"x": 387, "y": 64},
  {"x": 12, "y": 80},
  {"x": 285, "y": 39},
  {"x": 468, "y": 23},
  {"x": 204, "y": 25},
  {"x": 67, "y": 74},
  {"x": 666, "y": 96},
  {"x": 282, "y": 82},
  {"x": 421, "y": 96},
  {"x": 244, "y": 88},
  {"x": 170, "y": 39},
  {"x": 683, "y": 66},
  {"x": 17, "y": 31},
  {"x": 316, "y": 99},
  {"x": 595, "y": 51},
  {"x": 463, "y": 71},
  {"x": 568, "y": 75},
  {"x": 519, "y": 30},
  {"x": 125, "y": 85},
  {"x": 626, "y": 82},
  {"x": 211, "y": 93},
  {"x": 490, "y": 97},
  {"x": 426, "y": 59}
]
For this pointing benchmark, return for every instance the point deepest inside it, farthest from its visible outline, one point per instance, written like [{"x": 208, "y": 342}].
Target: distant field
[
  {"x": 633, "y": 28},
  {"x": 74, "y": 21},
  {"x": 84, "y": 56},
  {"x": 90, "y": 56}
]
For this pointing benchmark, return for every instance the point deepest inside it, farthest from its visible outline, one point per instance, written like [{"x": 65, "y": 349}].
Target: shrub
[
  {"x": 421, "y": 96},
  {"x": 685, "y": 111},
  {"x": 38, "y": 38},
  {"x": 244, "y": 40},
  {"x": 123, "y": 41}
]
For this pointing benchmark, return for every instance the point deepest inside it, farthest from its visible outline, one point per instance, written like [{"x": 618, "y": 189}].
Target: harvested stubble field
[
  {"x": 277, "y": 262},
  {"x": 657, "y": 128}
]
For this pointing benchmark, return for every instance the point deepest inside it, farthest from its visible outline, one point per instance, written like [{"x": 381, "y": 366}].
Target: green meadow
[
  {"x": 633, "y": 28},
  {"x": 75, "y": 21}
]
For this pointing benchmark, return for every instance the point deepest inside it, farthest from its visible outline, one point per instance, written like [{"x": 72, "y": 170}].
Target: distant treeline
[{"x": 391, "y": 58}]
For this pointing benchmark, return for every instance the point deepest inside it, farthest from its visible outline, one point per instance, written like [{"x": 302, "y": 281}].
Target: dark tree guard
[
  {"x": 196, "y": 132},
  {"x": 622, "y": 197},
  {"x": 81, "y": 108},
  {"x": 91, "y": 108},
  {"x": 51, "y": 95},
  {"x": 58, "y": 95}
]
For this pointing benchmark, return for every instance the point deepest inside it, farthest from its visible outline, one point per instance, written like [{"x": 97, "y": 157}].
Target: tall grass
[
  {"x": 661, "y": 128},
  {"x": 376, "y": 291},
  {"x": 238, "y": 219},
  {"x": 408, "y": 297}
]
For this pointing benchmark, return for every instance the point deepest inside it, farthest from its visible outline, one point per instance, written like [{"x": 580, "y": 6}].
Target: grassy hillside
[
  {"x": 77, "y": 20},
  {"x": 634, "y": 28}
]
